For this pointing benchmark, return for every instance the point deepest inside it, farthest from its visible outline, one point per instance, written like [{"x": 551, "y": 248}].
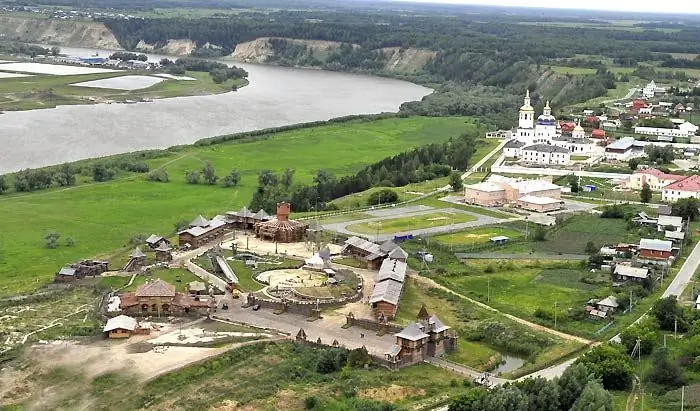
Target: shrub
[
  {"x": 310, "y": 402},
  {"x": 158, "y": 175}
]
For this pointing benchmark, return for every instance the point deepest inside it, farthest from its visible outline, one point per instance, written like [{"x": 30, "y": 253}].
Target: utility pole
[
  {"x": 488, "y": 290},
  {"x": 555, "y": 315},
  {"x": 630, "y": 300},
  {"x": 675, "y": 328},
  {"x": 682, "y": 397}
]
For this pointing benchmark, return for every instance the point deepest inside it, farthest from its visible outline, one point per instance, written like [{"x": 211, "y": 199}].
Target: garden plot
[
  {"x": 13, "y": 75},
  {"x": 127, "y": 83},
  {"x": 60, "y": 314},
  {"x": 54, "y": 69}
]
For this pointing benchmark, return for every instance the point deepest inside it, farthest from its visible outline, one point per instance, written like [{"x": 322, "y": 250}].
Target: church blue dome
[{"x": 546, "y": 120}]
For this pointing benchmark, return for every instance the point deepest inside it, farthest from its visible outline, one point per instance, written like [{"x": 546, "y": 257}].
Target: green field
[
  {"x": 418, "y": 222},
  {"x": 48, "y": 91},
  {"x": 102, "y": 217},
  {"x": 478, "y": 236}
]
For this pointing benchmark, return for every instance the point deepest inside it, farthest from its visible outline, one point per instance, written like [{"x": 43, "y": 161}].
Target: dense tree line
[
  {"x": 423, "y": 163},
  {"x": 11, "y": 47},
  {"x": 577, "y": 389}
]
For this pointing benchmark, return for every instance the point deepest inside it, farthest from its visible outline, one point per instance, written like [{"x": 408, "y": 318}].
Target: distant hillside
[{"x": 58, "y": 32}]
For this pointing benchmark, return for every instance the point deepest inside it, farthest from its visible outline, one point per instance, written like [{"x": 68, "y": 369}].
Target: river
[{"x": 276, "y": 96}]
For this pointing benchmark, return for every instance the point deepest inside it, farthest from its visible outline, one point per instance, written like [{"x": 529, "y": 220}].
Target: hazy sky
[{"x": 680, "y": 6}]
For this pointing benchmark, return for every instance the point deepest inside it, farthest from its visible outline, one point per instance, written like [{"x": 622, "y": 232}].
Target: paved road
[
  {"x": 342, "y": 227},
  {"x": 469, "y": 372},
  {"x": 685, "y": 274},
  {"x": 554, "y": 172}
]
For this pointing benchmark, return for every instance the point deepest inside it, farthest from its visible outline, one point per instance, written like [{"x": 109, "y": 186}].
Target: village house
[
  {"x": 121, "y": 326},
  {"x": 651, "y": 90},
  {"x": 428, "y": 337},
  {"x": 629, "y": 273},
  {"x": 688, "y": 187},
  {"x": 202, "y": 231},
  {"x": 512, "y": 149},
  {"x": 655, "y": 250},
  {"x": 684, "y": 130},
  {"x": 669, "y": 223},
  {"x": 370, "y": 254},
  {"x": 656, "y": 179},
  {"x": 159, "y": 298},
  {"x": 575, "y": 145},
  {"x": 164, "y": 252}
]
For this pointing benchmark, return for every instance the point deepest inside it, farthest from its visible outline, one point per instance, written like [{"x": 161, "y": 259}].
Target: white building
[
  {"x": 530, "y": 131},
  {"x": 624, "y": 149},
  {"x": 513, "y": 148},
  {"x": 685, "y": 129},
  {"x": 546, "y": 154},
  {"x": 688, "y": 187},
  {"x": 575, "y": 145},
  {"x": 651, "y": 90}
]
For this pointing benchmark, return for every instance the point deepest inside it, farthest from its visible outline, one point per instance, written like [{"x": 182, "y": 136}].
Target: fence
[{"x": 372, "y": 325}]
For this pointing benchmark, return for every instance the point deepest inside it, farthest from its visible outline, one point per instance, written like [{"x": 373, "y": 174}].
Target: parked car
[
  {"x": 224, "y": 306},
  {"x": 256, "y": 307}
]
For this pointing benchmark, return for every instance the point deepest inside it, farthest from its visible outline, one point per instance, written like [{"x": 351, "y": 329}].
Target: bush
[
  {"x": 158, "y": 175},
  {"x": 383, "y": 196},
  {"x": 489, "y": 269},
  {"x": 192, "y": 177},
  {"x": 101, "y": 173},
  {"x": 310, "y": 402}
]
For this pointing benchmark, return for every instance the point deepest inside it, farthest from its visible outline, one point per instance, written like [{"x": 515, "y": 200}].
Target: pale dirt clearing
[
  {"x": 127, "y": 83},
  {"x": 55, "y": 69},
  {"x": 257, "y": 246}
]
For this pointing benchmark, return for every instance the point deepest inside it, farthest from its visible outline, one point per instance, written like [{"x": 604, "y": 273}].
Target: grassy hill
[{"x": 103, "y": 217}]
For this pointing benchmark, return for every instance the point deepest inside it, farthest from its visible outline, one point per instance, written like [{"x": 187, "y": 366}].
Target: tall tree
[
  {"x": 610, "y": 364},
  {"x": 687, "y": 208},
  {"x": 3, "y": 184},
  {"x": 65, "y": 176},
  {"x": 645, "y": 194},
  {"x": 209, "y": 174},
  {"x": 663, "y": 371},
  {"x": 633, "y": 163},
  {"x": 456, "y": 182},
  {"x": 288, "y": 178},
  {"x": 572, "y": 383},
  {"x": 669, "y": 314},
  {"x": 594, "y": 398},
  {"x": 505, "y": 399}
]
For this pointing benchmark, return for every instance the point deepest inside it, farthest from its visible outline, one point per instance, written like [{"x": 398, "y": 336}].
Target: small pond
[{"x": 508, "y": 364}]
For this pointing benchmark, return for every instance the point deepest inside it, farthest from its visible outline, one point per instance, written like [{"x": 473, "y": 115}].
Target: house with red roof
[
  {"x": 688, "y": 187},
  {"x": 567, "y": 126},
  {"x": 598, "y": 133},
  {"x": 656, "y": 179}
]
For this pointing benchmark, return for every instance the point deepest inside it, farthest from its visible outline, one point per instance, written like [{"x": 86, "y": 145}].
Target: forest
[{"x": 473, "y": 54}]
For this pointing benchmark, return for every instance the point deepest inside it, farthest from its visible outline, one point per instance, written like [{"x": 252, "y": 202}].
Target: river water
[{"x": 276, "y": 96}]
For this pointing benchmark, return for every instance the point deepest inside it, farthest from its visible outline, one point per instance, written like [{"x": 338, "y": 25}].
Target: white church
[{"x": 540, "y": 140}]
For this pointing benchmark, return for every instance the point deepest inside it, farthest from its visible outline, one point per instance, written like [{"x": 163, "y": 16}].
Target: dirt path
[
  {"x": 431, "y": 283},
  {"x": 634, "y": 394}
]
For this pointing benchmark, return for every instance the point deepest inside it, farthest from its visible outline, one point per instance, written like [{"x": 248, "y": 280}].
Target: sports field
[
  {"x": 417, "y": 222},
  {"x": 102, "y": 217},
  {"x": 477, "y": 236}
]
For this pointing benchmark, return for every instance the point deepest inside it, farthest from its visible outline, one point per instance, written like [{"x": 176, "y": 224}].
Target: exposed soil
[
  {"x": 392, "y": 393},
  {"x": 61, "y": 32}
]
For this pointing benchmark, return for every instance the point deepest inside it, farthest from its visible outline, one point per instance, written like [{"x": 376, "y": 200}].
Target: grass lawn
[
  {"x": 579, "y": 158},
  {"x": 477, "y": 236},
  {"x": 101, "y": 217},
  {"x": 48, "y": 91},
  {"x": 418, "y": 222},
  {"x": 178, "y": 277},
  {"x": 437, "y": 203}
]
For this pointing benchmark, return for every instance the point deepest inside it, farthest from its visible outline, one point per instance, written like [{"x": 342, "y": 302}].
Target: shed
[
  {"x": 196, "y": 287},
  {"x": 626, "y": 272},
  {"x": 608, "y": 304},
  {"x": 499, "y": 239},
  {"x": 120, "y": 326},
  {"x": 589, "y": 187}
]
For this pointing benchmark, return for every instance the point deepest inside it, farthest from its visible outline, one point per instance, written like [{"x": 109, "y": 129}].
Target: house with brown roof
[
  {"x": 202, "y": 231},
  {"x": 160, "y": 298},
  {"x": 428, "y": 337}
]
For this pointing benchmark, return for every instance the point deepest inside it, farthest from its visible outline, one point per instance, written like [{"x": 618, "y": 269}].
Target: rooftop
[
  {"x": 631, "y": 271},
  {"x": 121, "y": 322},
  {"x": 373, "y": 249},
  {"x": 412, "y": 332},
  {"x": 157, "y": 288},
  {"x": 673, "y": 220},
  {"x": 526, "y": 187},
  {"x": 200, "y": 221},
  {"x": 660, "y": 174},
  {"x": 691, "y": 183},
  {"x": 624, "y": 143},
  {"x": 69, "y": 271},
  {"x": 398, "y": 254},
  {"x": 514, "y": 144},
  {"x": 656, "y": 245},
  {"x": 392, "y": 270},
  {"x": 539, "y": 200},
  {"x": 609, "y": 301},
  {"x": 489, "y": 187},
  {"x": 545, "y": 148},
  {"x": 153, "y": 238},
  {"x": 387, "y": 291},
  {"x": 137, "y": 253}
]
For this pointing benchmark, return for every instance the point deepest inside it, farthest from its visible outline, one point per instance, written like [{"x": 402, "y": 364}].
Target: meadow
[
  {"x": 103, "y": 217},
  {"x": 416, "y": 222},
  {"x": 178, "y": 277}
]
